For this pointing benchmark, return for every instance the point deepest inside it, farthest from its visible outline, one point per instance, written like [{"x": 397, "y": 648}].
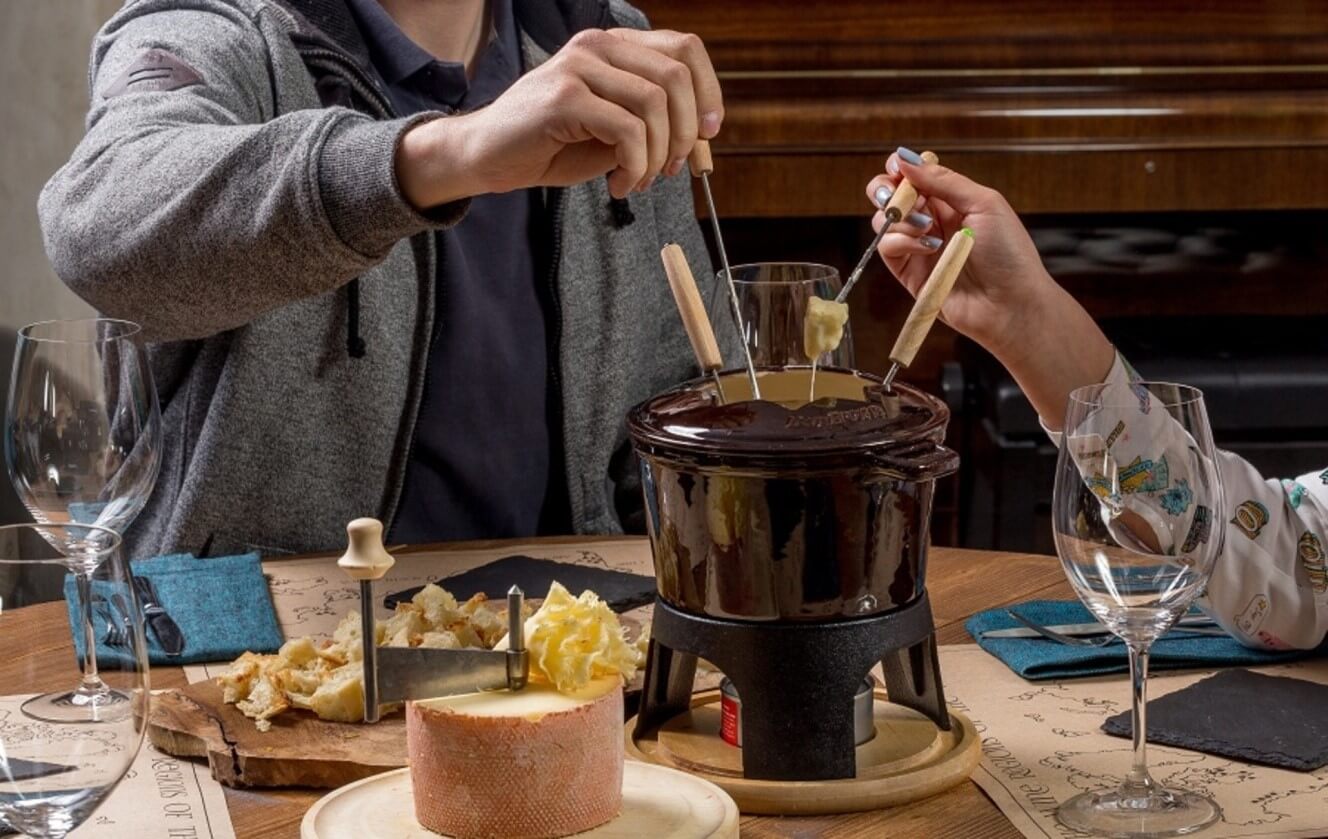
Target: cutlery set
[
  {"x": 119, "y": 624},
  {"x": 1094, "y": 634}
]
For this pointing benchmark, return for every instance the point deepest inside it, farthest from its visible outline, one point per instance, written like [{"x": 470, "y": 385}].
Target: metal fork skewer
[{"x": 702, "y": 165}]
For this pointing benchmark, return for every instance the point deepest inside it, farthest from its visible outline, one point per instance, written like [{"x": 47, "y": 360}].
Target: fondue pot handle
[{"x": 923, "y": 462}]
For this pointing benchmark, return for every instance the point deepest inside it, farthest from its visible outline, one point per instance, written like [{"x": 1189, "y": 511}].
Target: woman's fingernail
[
  {"x": 919, "y": 220},
  {"x": 930, "y": 242},
  {"x": 909, "y": 156},
  {"x": 676, "y": 166},
  {"x": 883, "y": 194},
  {"x": 892, "y": 166},
  {"x": 710, "y": 124}
]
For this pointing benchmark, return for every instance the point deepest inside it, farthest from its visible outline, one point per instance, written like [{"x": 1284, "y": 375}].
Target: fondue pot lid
[{"x": 852, "y": 418}]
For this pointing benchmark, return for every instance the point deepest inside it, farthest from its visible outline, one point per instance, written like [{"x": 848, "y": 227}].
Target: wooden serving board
[{"x": 300, "y": 750}]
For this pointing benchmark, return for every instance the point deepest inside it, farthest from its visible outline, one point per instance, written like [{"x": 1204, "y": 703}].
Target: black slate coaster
[
  {"x": 1273, "y": 720},
  {"x": 18, "y": 769},
  {"x": 622, "y": 591}
]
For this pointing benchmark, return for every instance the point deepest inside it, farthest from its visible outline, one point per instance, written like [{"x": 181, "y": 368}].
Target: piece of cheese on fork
[{"x": 528, "y": 764}]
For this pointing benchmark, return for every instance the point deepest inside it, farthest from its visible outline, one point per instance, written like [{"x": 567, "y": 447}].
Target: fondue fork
[
  {"x": 694, "y": 318},
  {"x": 928, "y": 305},
  {"x": 395, "y": 674},
  {"x": 899, "y": 204},
  {"x": 702, "y": 164}
]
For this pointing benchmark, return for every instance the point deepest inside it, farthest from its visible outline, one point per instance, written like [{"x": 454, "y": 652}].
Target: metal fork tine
[{"x": 1100, "y": 641}]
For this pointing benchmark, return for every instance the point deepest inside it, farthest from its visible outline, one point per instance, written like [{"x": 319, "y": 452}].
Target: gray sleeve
[{"x": 196, "y": 209}]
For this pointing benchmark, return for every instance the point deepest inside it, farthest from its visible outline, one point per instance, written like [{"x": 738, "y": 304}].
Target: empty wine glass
[
  {"x": 773, "y": 299},
  {"x": 83, "y": 445},
  {"x": 55, "y": 772},
  {"x": 1134, "y": 512}
]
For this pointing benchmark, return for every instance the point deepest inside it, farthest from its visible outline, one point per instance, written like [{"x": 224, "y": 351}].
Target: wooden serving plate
[
  {"x": 300, "y": 750},
  {"x": 909, "y": 758}
]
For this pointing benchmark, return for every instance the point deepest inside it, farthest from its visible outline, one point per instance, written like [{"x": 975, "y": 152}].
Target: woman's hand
[{"x": 1005, "y": 300}]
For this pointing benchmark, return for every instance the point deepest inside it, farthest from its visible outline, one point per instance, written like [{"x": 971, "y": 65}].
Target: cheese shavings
[
  {"x": 575, "y": 640},
  {"x": 823, "y": 327}
]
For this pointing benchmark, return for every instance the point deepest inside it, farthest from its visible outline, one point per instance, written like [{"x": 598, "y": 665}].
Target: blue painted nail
[
  {"x": 909, "y": 156},
  {"x": 883, "y": 194},
  {"x": 919, "y": 220},
  {"x": 930, "y": 242}
]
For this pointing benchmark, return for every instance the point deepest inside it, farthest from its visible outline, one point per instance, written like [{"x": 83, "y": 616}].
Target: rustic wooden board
[{"x": 299, "y": 751}]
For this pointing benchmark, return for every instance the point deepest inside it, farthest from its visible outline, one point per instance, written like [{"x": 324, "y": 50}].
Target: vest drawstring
[{"x": 355, "y": 345}]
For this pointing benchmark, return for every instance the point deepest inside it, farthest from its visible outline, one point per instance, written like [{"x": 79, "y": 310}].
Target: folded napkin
[
  {"x": 222, "y": 606},
  {"x": 1038, "y": 658}
]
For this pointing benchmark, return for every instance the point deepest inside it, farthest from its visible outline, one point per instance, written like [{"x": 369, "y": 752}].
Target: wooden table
[{"x": 960, "y": 582}]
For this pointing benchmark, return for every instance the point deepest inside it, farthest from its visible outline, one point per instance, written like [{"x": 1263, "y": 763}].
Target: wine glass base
[
  {"x": 76, "y": 706},
  {"x": 1161, "y": 812}
]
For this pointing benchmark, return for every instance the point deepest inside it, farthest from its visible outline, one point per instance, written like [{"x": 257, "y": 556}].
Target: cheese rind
[{"x": 531, "y": 764}]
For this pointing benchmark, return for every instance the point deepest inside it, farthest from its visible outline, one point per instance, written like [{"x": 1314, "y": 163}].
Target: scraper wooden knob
[
  {"x": 365, "y": 557},
  {"x": 906, "y": 195},
  {"x": 694, "y": 317},
  {"x": 931, "y": 297},
  {"x": 700, "y": 161}
]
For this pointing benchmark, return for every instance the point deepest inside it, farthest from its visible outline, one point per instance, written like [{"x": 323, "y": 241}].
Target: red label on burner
[{"x": 728, "y": 720}]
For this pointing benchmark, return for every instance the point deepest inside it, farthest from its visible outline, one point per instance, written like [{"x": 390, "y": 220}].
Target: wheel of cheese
[{"x": 529, "y": 764}]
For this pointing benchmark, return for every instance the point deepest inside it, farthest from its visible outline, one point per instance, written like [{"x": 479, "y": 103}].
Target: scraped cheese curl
[
  {"x": 575, "y": 640},
  {"x": 823, "y": 327}
]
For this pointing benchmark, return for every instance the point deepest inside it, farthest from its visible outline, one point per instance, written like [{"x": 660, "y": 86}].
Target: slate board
[
  {"x": 622, "y": 591},
  {"x": 1271, "y": 720}
]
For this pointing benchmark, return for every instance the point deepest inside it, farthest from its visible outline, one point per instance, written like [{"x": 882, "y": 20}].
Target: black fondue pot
[{"x": 784, "y": 510}]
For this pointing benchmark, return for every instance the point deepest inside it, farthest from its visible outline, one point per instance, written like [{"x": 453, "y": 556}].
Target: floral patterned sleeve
[{"x": 1270, "y": 585}]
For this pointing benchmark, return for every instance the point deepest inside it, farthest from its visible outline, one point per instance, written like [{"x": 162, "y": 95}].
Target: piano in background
[{"x": 1171, "y": 158}]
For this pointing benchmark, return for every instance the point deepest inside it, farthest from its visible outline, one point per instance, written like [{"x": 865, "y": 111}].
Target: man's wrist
[{"x": 432, "y": 163}]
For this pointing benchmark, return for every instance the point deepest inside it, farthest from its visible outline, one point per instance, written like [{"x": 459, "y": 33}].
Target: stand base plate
[{"x": 908, "y": 759}]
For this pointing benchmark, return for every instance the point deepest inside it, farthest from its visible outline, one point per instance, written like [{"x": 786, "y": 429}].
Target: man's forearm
[{"x": 434, "y": 165}]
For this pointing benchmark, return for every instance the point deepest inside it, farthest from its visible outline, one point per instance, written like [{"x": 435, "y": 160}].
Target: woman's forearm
[{"x": 1054, "y": 347}]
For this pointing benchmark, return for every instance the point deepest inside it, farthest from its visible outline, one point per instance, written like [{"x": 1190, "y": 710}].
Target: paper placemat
[
  {"x": 311, "y": 595},
  {"x": 1042, "y": 744},
  {"x": 161, "y": 796}
]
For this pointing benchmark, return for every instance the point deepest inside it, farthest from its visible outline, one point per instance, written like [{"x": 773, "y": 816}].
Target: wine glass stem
[
  {"x": 1139, "y": 780},
  {"x": 91, "y": 680}
]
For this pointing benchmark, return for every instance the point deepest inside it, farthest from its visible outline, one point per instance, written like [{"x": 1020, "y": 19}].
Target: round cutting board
[
  {"x": 907, "y": 759},
  {"x": 658, "y": 802}
]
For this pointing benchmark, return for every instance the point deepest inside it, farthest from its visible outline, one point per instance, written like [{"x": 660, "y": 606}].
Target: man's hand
[{"x": 624, "y": 102}]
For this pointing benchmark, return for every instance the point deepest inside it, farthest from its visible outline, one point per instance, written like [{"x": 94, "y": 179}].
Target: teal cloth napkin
[
  {"x": 222, "y": 605},
  {"x": 1037, "y": 659}
]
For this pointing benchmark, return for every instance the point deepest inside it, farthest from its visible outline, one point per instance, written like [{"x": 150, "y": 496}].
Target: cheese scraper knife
[{"x": 396, "y": 674}]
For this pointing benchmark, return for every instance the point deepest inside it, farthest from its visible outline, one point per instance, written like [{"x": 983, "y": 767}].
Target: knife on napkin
[{"x": 163, "y": 625}]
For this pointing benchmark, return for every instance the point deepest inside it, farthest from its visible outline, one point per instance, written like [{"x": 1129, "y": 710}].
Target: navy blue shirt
[{"x": 480, "y": 467}]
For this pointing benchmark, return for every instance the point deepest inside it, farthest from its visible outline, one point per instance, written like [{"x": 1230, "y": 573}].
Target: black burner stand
[{"x": 796, "y": 681}]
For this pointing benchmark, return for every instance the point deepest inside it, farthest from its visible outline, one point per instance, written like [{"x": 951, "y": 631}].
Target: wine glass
[
  {"x": 54, "y": 773},
  {"x": 1135, "y": 516},
  {"x": 772, "y": 299},
  {"x": 83, "y": 444}
]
